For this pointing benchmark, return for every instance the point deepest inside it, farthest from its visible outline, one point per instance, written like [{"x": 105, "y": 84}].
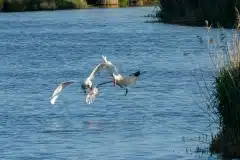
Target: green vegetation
[
  {"x": 227, "y": 85},
  {"x": 126, "y": 3},
  {"x": 194, "y": 12},
  {"x": 36, "y": 5},
  {"x": 224, "y": 100},
  {"x": 123, "y": 3},
  {"x": 148, "y": 2},
  {"x": 30, "y": 5},
  {"x": 1, "y": 4},
  {"x": 140, "y": 2},
  {"x": 76, "y": 3}
]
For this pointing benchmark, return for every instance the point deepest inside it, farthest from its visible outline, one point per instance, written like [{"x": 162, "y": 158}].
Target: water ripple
[{"x": 39, "y": 50}]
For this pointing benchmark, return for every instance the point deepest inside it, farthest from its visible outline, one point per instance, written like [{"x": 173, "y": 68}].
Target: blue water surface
[{"x": 158, "y": 119}]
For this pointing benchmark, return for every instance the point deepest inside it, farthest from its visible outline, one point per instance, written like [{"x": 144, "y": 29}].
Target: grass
[
  {"x": 123, "y": 3},
  {"x": 78, "y": 3},
  {"x": 30, "y": 5},
  {"x": 1, "y": 4},
  {"x": 223, "y": 101}
]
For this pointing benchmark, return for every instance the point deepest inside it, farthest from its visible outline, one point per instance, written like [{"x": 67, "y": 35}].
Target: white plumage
[{"x": 92, "y": 92}]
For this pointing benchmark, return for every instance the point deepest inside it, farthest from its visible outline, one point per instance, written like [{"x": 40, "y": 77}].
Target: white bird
[
  {"x": 121, "y": 80},
  {"x": 58, "y": 90},
  {"x": 87, "y": 83},
  {"x": 107, "y": 65},
  {"x": 93, "y": 92},
  {"x": 91, "y": 96},
  {"x": 124, "y": 82}
]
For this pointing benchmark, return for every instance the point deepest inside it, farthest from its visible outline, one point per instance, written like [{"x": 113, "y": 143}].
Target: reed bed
[{"x": 223, "y": 100}]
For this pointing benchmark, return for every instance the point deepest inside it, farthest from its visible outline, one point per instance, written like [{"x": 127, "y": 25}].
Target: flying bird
[
  {"x": 59, "y": 89},
  {"x": 124, "y": 82},
  {"x": 121, "y": 80},
  {"x": 87, "y": 85},
  {"x": 91, "y": 96},
  {"x": 93, "y": 92},
  {"x": 106, "y": 65}
]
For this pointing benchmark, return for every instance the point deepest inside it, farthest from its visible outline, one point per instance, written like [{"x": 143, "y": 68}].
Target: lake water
[{"x": 158, "y": 119}]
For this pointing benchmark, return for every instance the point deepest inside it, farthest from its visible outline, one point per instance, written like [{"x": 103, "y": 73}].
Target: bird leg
[{"x": 126, "y": 92}]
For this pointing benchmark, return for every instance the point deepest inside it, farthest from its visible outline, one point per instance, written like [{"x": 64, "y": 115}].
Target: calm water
[{"x": 41, "y": 49}]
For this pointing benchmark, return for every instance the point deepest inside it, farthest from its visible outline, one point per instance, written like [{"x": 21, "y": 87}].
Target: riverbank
[
  {"x": 40, "y": 5},
  {"x": 222, "y": 97},
  {"x": 195, "y": 12}
]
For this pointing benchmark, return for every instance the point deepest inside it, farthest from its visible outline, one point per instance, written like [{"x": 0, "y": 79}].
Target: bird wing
[
  {"x": 53, "y": 100},
  {"x": 111, "y": 68},
  {"x": 90, "y": 98},
  {"x": 58, "y": 90},
  {"x": 98, "y": 68},
  {"x": 103, "y": 66},
  {"x": 92, "y": 93}
]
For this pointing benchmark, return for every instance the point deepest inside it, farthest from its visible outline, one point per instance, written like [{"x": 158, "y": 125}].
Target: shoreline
[
  {"x": 2, "y": 11},
  {"x": 89, "y": 8}
]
